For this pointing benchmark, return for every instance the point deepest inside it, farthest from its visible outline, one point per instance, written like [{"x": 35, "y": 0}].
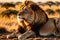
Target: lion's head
[{"x": 31, "y": 12}]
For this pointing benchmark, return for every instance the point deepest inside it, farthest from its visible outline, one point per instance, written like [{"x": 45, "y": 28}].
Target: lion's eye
[
  {"x": 25, "y": 11},
  {"x": 19, "y": 14}
]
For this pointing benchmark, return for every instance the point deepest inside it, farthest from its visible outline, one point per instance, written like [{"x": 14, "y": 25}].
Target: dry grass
[{"x": 9, "y": 23}]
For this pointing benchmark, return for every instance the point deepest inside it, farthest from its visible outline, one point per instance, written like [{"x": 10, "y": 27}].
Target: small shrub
[
  {"x": 9, "y": 12},
  {"x": 3, "y": 30},
  {"x": 50, "y": 11}
]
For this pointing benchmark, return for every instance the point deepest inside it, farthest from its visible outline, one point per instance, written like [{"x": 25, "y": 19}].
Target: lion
[
  {"x": 33, "y": 21},
  {"x": 31, "y": 17}
]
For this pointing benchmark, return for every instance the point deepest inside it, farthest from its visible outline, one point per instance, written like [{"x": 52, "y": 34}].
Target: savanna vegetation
[{"x": 9, "y": 11}]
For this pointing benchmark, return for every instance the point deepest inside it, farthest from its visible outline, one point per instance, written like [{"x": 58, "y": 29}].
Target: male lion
[
  {"x": 33, "y": 20},
  {"x": 31, "y": 17}
]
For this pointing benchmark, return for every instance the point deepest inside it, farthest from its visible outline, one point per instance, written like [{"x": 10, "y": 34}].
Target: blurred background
[{"x": 10, "y": 8}]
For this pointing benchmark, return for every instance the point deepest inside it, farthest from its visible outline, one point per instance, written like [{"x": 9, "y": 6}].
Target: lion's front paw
[{"x": 26, "y": 35}]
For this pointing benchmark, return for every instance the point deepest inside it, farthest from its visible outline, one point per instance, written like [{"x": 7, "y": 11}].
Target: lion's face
[{"x": 26, "y": 14}]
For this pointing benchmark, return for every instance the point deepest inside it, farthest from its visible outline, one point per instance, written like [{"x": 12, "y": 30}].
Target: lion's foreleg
[{"x": 28, "y": 33}]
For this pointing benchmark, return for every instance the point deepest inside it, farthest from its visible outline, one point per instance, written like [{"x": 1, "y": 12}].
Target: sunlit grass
[{"x": 9, "y": 23}]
